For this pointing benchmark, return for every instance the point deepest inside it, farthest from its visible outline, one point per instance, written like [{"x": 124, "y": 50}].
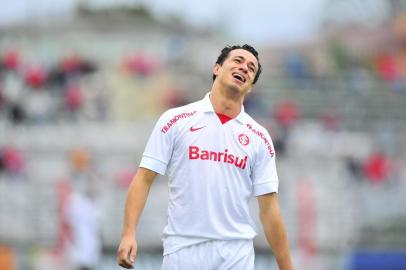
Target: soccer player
[{"x": 216, "y": 157}]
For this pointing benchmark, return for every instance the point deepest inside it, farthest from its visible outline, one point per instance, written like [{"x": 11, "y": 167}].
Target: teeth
[{"x": 239, "y": 77}]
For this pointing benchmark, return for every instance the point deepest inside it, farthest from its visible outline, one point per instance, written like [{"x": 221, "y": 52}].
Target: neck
[{"x": 226, "y": 101}]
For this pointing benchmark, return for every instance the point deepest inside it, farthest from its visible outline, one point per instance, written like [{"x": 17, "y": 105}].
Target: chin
[{"x": 235, "y": 90}]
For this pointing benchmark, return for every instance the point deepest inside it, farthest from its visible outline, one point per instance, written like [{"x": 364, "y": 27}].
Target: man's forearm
[
  {"x": 277, "y": 238},
  {"x": 136, "y": 199},
  {"x": 274, "y": 229}
]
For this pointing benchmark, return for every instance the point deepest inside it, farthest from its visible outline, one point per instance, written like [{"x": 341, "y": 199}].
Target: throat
[{"x": 223, "y": 118}]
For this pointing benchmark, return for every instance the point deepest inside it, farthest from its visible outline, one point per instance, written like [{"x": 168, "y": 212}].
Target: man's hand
[
  {"x": 136, "y": 198},
  {"x": 127, "y": 252}
]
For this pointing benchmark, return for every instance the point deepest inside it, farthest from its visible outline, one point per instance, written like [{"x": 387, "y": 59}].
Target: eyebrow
[{"x": 250, "y": 63}]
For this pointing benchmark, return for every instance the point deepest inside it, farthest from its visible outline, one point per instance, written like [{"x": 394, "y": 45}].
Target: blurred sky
[{"x": 273, "y": 21}]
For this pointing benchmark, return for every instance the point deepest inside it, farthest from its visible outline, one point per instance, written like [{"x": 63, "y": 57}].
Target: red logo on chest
[
  {"x": 192, "y": 129},
  {"x": 243, "y": 139},
  {"x": 196, "y": 153}
]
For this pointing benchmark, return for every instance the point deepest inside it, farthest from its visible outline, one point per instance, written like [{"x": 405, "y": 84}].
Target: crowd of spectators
[{"x": 31, "y": 91}]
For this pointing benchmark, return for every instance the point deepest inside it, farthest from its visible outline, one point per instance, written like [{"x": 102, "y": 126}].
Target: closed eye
[{"x": 252, "y": 68}]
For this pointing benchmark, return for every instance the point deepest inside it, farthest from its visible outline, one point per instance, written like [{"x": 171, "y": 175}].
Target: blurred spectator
[
  {"x": 354, "y": 168},
  {"x": 11, "y": 59},
  {"x": 40, "y": 106},
  {"x": 307, "y": 218},
  {"x": 280, "y": 144},
  {"x": 83, "y": 216},
  {"x": 377, "y": 167},
  {"x": 386, "y": 66},
  {"x": 56, "y": 77},
  {"x": 71, "y": 64},
  {"x": 174, "y": 97},
  {"x": 75, "y": 65},
  {"x": 17, "y": 114},
  {"x": 74, "y": 98},
  {"x": 7, "y": 258},
  {"x": 140, "y": 64},
  {"x": 79, "y": 160},
  {"x": 13, "y": 161},
  {"x": 79, "y": 213},
  {"x": 35, "y": 77},
  {"x": 69, "y": 69},
  {"x": 63, "y": 191},
  {"x": 295, "y": 66},
  {"x": 286, "y": 114},
  {"x": 87, "y": 67},
  {"x": 330, "y": 120}
]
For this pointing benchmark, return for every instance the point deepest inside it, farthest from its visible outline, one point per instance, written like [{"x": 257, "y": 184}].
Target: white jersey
[{"x": 213, "y": 169}]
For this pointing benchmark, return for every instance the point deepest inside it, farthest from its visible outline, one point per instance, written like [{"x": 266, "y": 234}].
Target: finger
[
  {"x": 132, "y": 255},
  {"x": 123, "y": 258},
  {"x": 126, "y": 264},
  {"x": 121, "y": 255}
]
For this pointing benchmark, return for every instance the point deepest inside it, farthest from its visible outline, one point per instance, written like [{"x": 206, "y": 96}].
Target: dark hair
[{"x": 224, "y": 54}]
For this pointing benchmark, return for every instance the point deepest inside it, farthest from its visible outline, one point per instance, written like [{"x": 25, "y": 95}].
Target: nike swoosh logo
[{"x": 195, "y": 129}]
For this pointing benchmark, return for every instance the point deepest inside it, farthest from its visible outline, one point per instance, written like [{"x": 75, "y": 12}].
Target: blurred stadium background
[{"x": 81, "y": 90}]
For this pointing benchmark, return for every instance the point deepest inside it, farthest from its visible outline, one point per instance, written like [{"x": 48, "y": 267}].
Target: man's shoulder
[
  {"x": 193, "y": 106},
  {"x": 177, "y": 115}
]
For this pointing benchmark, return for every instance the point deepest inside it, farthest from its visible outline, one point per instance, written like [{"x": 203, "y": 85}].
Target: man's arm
[
  {"x": 136, "y": 198},
  {"x": 274, "y": 229}
]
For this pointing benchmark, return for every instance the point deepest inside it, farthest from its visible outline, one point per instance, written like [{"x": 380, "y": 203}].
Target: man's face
[{"x": 238, "y": 70}]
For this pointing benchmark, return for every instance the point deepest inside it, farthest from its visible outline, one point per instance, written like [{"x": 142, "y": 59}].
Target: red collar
[{"x": 223, "y": 118}]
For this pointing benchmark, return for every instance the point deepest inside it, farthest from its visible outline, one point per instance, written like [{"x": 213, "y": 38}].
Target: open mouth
[{"x": 239, "y": 77}]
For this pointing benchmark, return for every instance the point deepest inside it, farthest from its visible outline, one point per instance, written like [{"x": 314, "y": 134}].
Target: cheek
[{"x": 252, "y": 78}]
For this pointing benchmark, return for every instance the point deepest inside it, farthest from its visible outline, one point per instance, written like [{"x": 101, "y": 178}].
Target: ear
[{"x": 216, "y": 69}]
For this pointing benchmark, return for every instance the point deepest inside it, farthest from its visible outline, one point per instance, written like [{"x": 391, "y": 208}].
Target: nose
[{"x": 244, "y": 68}]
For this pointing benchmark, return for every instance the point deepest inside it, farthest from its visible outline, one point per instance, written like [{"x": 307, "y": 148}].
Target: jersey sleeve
[
  {"x": 158, "y": 150},
  {"x": 264, "y": 174}
]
